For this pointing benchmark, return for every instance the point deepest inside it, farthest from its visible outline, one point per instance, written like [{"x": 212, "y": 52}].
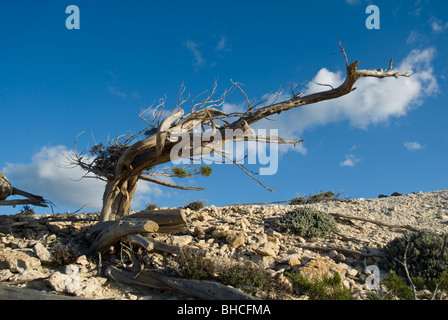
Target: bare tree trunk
[
  {"x": 118, "y": 196},
  {"x": 135, "y": 160}
]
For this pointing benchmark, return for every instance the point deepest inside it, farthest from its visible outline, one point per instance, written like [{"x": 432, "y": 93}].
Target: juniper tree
[{"x": 127, "y": 160}]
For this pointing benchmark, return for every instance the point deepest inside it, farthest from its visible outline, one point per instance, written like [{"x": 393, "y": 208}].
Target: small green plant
[
  {"x": 397, "y": 288},
  {"x": 307, "y": 223},
  {"x": 181, "y": 173},
  {"x": 329, "y": 288},
  {"x": 151, "y": 206},
  {"x": 195, "y": 267},
  {"x": 424, "y": 253},
  {"x": 319, "y": 197},
  {"x": 206, "y": 171},
  {"x": 239, "y": 275},
  {"x": 106, "y": 157},
  {"x": 195, "y": 206}
]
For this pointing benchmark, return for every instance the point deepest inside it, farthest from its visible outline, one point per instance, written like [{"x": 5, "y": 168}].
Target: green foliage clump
[
  {"x": 329, "y": 288},
  {"x": 307, "y": 223},
  {"x": 237, "y": 275},
  {"x": 150, "y": 131},
  {"x": 319, "y": 197},
  {"x": 240, "y": 275},
  {"x": 196, "y": 205},
  {"x": 397, "y": 288},
  {"x": 424, "y": 253},
  {"x": 206, "y": 171},
  {"x": 181, "y": 173},
  {"x": 106, "y": 157},
  {"x": 195, "y": 267},
  {"x": 151, "y": 206}
]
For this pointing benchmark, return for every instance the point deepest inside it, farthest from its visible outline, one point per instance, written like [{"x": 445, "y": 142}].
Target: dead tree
[
  {"x": 6, "y": 190},
  {"x": 125, "y": 161}
]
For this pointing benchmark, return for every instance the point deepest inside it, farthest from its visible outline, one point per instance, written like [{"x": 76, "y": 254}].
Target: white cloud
[
  {"x": 350, "y": 161},
  {"x": 438, "y": 26},
  {"x": 353, "y": 2},
  {"x": 375, "y": 100},
  {"x": 117, "y": 92},
  {"x": 413, "y": 146},
  {"x": 416, "y": 37},
  {"x": 49, "y": 175},
  {"x": 193, "y": 47},
  {"x": 223, "y": 44}
]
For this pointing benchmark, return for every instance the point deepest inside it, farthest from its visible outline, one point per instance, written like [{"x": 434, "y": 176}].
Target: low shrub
[
  {"x": 397, "y": 288},
  {"x": 307, "y": 223},
  {"x": 329, "y": 288},
  {"x": 424, "y": 253},
  {"x": 195, "y": 267},
  {"x": 196, "y": 205},
  {"x": 236, "y": 274}
]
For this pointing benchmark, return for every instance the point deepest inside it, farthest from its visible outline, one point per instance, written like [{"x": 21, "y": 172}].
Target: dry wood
[
  {"x": 141, "y": 241},
  {"x": 120, "y": 229},
  {"x": 13, "y": 293},
  {"x": 168, "y": 248},
  {"x": 205, "y": 290},
  {"x": 105, "y": 233},
  {"x": 5, "y": 187},
  {"x": 6, "y": 190},
  {"x": 151, "y": 244},
  {"x": 388, "y": 225},
  {"x": 343, "y": 250},
  {"x": 171, "y": 220}
]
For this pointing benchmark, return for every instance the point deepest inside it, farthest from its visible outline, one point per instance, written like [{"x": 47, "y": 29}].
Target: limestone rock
[
  {"x": 181, "y": 240},
  {"x": 235, "y": 239},
  {"x": 267, "y": 249},
  {"x": 19, "y": 260},
  {"x": 321, "y": 267},
  {"x": 57, "y": 281},
  {"x": 43, "y": 254}
]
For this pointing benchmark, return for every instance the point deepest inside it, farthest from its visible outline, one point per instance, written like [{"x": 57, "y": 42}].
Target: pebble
[{"x": 247, "y": 234}]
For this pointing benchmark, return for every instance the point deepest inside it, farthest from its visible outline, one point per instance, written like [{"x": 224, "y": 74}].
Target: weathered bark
[
  {"x": 118, "y": 196},
  {"x": 118, "y": 230},
  {"x": 104, "y": 234},
  {"x": 170, "y": 220},
  {"x": 205, "y": 290},
  {"x": 6, "y": 190},
  {"x": 13, "y": 293},
  {"x": 5, "y": 187}
]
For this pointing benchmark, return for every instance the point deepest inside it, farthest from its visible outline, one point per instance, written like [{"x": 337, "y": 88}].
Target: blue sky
[{"x": 387, "y": 136}]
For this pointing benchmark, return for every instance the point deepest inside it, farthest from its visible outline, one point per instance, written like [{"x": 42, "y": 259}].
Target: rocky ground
[{"x": 40, "y": 253}]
